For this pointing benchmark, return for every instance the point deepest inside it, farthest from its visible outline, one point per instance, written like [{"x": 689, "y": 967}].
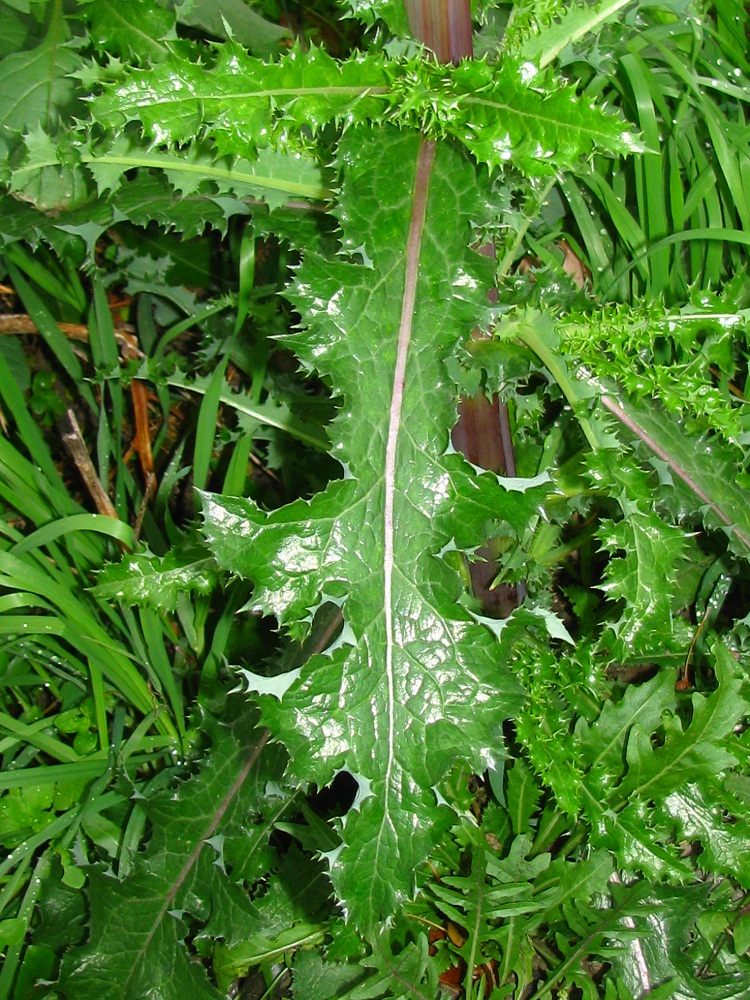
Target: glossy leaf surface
[
  {"x": 703, "y": 469},
  {"x": 145, "y": 579},
  {"x": 654, "y": 554},
  {"x": 504, "y": 114},
  {"x": 415, "y": 681},
  {"x": 664, "y": 787}
]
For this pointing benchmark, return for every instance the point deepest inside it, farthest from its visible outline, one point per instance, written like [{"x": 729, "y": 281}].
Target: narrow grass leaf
[
  {"x": 73, "y": 524},
  {"x": 205, "y": 432}
]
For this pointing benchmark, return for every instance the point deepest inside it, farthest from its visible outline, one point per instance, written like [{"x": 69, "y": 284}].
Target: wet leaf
[{"x": 415, "y": 680}]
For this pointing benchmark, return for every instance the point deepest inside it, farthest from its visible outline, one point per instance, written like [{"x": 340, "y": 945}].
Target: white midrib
[{"x": 425, "y": 159}]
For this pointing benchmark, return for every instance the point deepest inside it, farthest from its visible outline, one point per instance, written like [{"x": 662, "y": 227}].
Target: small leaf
[
  {"x": 523, "y": 796},
  {"x": 411, "y": 970},
  {"x": 157, "y": 582},
  {"x": 603, "y": 743},
  {"x": 703, "y": 813},
  {"x": 288, "y": 916},
  {"x": 315, "y": 979},
  {"x": 35, "y": 86},
  {"x": 130, "y": 29},
  {"x": 233, "y": 19},
  {"x": 392, "y": 12},
  {"x": 574, "y": 22},
  {"x": 653, "y": 555},
  {"x": 633, "y": 819},
  {"x": 686, "y": 753},
  {"x": 49, "y": 175}
]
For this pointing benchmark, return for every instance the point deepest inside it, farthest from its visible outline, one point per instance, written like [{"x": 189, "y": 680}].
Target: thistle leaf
[
  {"x": 272, "y": 176},
  {"x": 315, "y": 979},
  {"x": 705, "y": 813},
  {"x": 131, "y": 29},
  {"x": 415, "y": 681},
  {"x": 244, "y": 102},
  {"x": 665, "y": 796},
  {"x": 146, "y": 579},
  {"x": 49, "y": 177},
  {"x": 645, "y": 575},
  {"x": 574, "y": 22},
  {"x": 664, "y": 950},
  {"x": 393, "y": 12},
  {"x": 602, "y": 744},
  {"x": 686, "y": 753},
  {"x": 506, "y": 113},
  {"x": 502, "y": 113},
  {"x": 705, "y": 470},
  {"x": 178, "y": 883}
]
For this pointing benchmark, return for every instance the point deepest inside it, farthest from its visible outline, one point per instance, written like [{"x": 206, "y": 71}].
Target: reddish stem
[
  {"x": 443, "y": 26},
  {"x": 482, "y": 432}
]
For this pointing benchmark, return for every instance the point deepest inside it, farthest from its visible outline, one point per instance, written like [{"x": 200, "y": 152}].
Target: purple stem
[
  {"x": 443, "y": 26},
  {"x": 211, "y": 827},
  {"x": 613, "y": 407},
  {"x": 482, "y": 433}
]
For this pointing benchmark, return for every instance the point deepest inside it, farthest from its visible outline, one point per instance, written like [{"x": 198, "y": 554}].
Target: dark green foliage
[{"x": 550, "y": 804}]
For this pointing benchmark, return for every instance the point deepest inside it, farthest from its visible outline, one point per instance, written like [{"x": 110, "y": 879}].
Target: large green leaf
[
  {"x": 415, "y": 680},
  {"x": 138, "y": 925},
  {"x": 35, "y": 86},
  {"x": 502, "y": 113}
]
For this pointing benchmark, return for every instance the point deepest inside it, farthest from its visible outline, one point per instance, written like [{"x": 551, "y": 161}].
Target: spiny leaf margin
[
  {"x": 504, "y": 114},
  {"x": 415, "y": 681}
]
